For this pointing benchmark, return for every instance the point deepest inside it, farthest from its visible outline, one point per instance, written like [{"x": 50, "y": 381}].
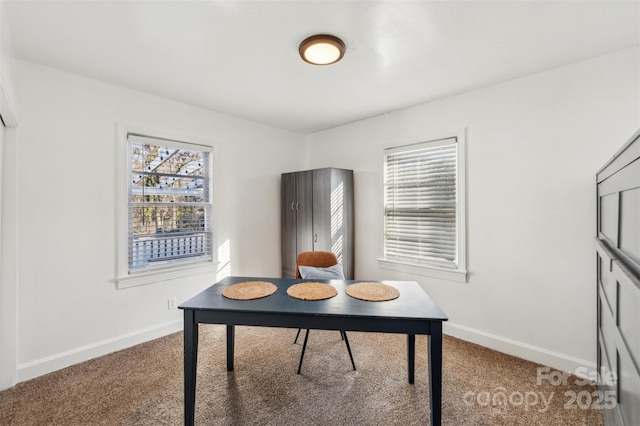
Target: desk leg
[
  {"x": 231, "y": 332},
  {"x": 190, "y": 364},
  {"x": 411, "y": 356},
  {"x": 435, "y": 372}
]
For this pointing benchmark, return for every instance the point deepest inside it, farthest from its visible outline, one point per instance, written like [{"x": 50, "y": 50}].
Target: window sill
[
  {"x": 428, "y": 271},
  {"x": 164, "y": 274}
]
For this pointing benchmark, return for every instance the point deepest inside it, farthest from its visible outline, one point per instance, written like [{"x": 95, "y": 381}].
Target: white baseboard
[
  {"x": 523, "y": 350},
  {"x": 562, "y": 362},
  {"x": 55, "y": 362}
]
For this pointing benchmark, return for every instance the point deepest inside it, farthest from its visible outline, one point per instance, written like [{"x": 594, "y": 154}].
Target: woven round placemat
[
  {"x": 312, "y": 291},
  {"x": 372, "y": 292},
  {"x": 249, "y": 290}
]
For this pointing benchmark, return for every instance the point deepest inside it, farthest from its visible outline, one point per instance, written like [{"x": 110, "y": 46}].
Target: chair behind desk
[{"x": 318, "y": 259}]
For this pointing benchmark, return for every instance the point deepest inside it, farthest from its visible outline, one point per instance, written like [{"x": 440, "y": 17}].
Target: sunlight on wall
[
  {"x": 336, "y": 248},
  {"x": 224, "y": 261},
  {"x": 337, "y": 214}
]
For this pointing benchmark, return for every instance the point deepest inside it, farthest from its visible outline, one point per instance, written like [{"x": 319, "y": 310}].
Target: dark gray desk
[{"x": 412, "y": 313}]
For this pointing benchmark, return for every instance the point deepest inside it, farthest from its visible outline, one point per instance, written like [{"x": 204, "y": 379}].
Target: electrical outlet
[{"x": 171, "y": 303}]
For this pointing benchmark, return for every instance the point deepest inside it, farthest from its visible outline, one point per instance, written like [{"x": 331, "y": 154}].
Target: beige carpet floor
[{"x": 143, "y": 385}]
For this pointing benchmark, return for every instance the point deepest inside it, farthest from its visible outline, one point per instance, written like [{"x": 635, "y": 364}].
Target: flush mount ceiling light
[{"x": 322, "y": 49}]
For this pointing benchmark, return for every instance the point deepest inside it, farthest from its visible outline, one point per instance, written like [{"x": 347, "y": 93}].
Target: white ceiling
[{"x": 241, "y": 57}]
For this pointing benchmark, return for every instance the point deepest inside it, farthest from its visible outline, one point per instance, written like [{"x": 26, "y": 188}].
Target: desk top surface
[{"x": 413, "y": 303}]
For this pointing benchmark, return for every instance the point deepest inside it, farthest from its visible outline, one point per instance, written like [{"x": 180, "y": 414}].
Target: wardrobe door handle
[
  {"x": 315, "y": 238},
  {"x": 297, "y": 205},
  {"x": 292, "y": 203}
]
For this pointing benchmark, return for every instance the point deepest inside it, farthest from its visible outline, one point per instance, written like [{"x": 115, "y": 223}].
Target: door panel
[
  {"x": 288, "y": 224},
  {"x": 347, "y": 226},
  {"x": 304, "y": 210},
  {"x": 609, "y": 217},
  {"x": 322, "y": 210},
  {"x": 333, "y": 214},
  {"x": 629, "y": 232}
]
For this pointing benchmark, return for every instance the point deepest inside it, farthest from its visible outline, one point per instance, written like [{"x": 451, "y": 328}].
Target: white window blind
[
  {"x": 420, "y": 200},
  {"x": 170, "y": 207}
]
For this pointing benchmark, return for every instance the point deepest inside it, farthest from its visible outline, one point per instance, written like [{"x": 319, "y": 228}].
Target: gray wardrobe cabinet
[
  {"x": 317, "y": 214},
  {"x": 618, "y": 285}
]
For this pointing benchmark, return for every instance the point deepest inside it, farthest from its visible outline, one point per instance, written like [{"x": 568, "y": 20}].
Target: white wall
[
  {"x": 7, "y": 92},
  {"x": 8, "y": 263},
  {"x": 533, "y": 147},
  {"x": 69, "y": 309},
  {"x": 6, "y": 366},
  {"x": 8, "y": 295}
]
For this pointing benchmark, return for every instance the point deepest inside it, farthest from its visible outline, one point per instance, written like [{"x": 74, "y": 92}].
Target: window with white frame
[
  {"x": 168, "y": 205},
  {"x": 424, "y": 217}
]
